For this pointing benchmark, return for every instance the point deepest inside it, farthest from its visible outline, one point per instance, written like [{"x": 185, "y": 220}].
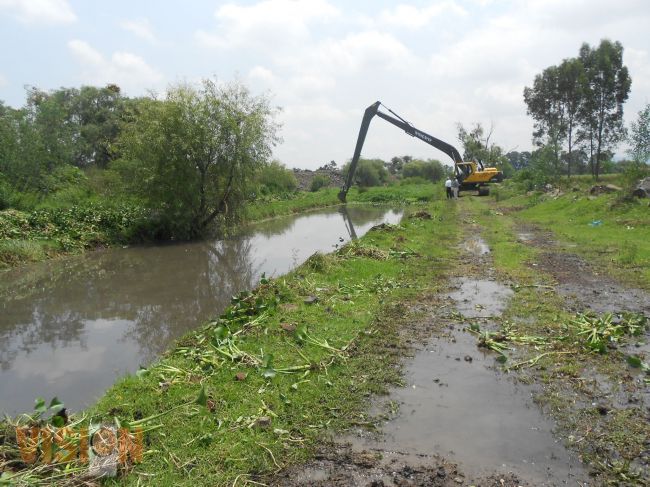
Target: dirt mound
[
  {"x": 305, "y": 177},
  {"x": 604, "y": 188}
]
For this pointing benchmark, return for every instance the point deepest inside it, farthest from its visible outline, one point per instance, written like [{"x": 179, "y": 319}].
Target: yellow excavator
[{"x": 472, "y": 176}]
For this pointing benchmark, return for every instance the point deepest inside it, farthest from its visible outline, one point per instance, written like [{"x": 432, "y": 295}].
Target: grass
[
  {"x": 288, "y": 364},
  {"x": 17, "y": 251},
  {"x": 608, "y": 229}
]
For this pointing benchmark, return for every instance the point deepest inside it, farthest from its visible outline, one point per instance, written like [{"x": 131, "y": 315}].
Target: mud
[
  {"x": 476, "y": 246},
  {"x": 480, "y": 298},
  {"x": 340, "y": 465},
  {"x": 584, "y": 286},
  {"x": 456, "y": 405}
]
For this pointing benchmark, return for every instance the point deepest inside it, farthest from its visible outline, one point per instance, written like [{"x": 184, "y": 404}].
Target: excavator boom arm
[{"x": 370, "y": 112}]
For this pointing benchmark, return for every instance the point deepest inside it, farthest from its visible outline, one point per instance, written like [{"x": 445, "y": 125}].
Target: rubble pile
[{"x": 305, "y": 176}]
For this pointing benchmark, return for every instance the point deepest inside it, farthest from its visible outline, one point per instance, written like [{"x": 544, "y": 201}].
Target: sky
[{"x": 435, "y": 63}]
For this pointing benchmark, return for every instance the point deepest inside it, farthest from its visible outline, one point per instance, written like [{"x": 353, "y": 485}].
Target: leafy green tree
[
  {"x": 639, "y": 136},
  {"x": 606, "y": 87},
  {"x": 397, "y": 163},
  {"x": 369, "y": 172},
  {"x": 53, "y": 136},
  {"x": 276, "y": 178},
  {"x": 478, "y": 147},
  {"x": 545, "y": 103},
  {"x": 571, "y": 79},
  {"x": 540, "y": 170},
  {"x": 197, "y": 152},
  {"x": 431, "y": 170},
  {"x": 518, "y": 160},
  {"x": 96, "y": 114}
]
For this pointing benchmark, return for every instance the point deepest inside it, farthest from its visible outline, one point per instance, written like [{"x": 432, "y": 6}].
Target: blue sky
[{"x": 436, "y": 63}]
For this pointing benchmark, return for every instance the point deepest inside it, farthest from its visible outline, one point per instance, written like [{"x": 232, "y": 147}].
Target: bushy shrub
[
  {"x": 276, "y": 178},
  {"x": 430, "y": 170},
  {"x": 412, "y": 180},
  {"x": 76, "y": 227},
  {"x": 319, "y": 181},
  {"x": 369, "y": 172}
]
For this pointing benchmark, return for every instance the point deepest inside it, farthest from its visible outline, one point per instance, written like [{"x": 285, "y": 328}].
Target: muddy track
[
  {"x": 457, "y": 420},
  {"x": 583, "y": 285}
]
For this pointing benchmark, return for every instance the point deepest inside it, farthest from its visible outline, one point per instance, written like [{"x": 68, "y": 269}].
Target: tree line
[
  {"x": 577, "y": 107},
  {"x": 188, "y": 158}
]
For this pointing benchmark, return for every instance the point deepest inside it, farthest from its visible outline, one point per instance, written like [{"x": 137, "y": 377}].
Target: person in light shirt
[{"x": 448, "y": 188}]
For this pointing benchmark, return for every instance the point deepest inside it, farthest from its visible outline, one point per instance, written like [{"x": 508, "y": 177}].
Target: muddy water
[
  {"x": 70, "y": 327},
  {"x": 475, "y": 298},
  {"x": 456, "y": 405}
]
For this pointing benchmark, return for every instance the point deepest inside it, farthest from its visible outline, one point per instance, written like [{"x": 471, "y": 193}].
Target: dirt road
[{"x": 461, "y": 419}]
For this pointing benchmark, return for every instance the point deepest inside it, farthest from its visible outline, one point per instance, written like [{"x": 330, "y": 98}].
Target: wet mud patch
[
  {"x": 455, "y": 405},
  {"x": 582, "y": 284},
  {"x": 341, "y": 465},
  {"x": 476, "y": 246},
  {"x": 480, "y": 298}
]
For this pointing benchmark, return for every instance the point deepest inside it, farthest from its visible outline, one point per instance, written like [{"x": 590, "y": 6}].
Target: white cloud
[
  {"x": 140, "y": 28},
  {"x": 265, "y": 24},
  {"x": 262, "y": 74},
  {"x": 3, "y": 81},
  {"x": 357, "y": 52},
  {"x": 125, "y": 69},
  {"x": 40, "y": 11},
  {"x": 412, "y": 17}
]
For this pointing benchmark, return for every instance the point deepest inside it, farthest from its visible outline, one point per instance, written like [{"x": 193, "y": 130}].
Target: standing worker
[
  {"x": 454, "y": 187},
  {"x": 448, "y": 188}
]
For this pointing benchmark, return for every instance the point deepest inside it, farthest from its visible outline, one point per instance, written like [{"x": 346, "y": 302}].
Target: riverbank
[
  {"x": 293, "y": 360},
  {"x": 54, "y": 232}
]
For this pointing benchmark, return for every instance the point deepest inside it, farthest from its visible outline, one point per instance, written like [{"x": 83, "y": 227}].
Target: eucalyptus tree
[
  {"x": 606, "y": 87},
  {"x": 639, "y": 136},
  {"x": 545, "y": 104},
  {"x": 571, "y": 79}
]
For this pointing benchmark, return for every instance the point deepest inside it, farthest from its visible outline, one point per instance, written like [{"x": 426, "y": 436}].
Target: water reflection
[{"x": 69, "y": 327}]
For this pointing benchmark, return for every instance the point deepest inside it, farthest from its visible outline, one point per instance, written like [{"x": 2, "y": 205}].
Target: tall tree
[
  {"x": 640, "y": 136},
  {"x": 544, "y": 104},
  {"x": 518, "y": 160},
  {"x": 197, "y": 152},
  {"x": 571, "y": 78},
  {"x": 606, "y": 87},
  {"x": 96, "y": 114}
]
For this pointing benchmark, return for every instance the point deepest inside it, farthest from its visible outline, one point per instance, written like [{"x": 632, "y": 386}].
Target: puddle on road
[
  {"x": 476, "y": 246},
  {"x": 525, "y": 237},
  {"x": 455, "y": 405},
  {"x": 477, "y": 298}
]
